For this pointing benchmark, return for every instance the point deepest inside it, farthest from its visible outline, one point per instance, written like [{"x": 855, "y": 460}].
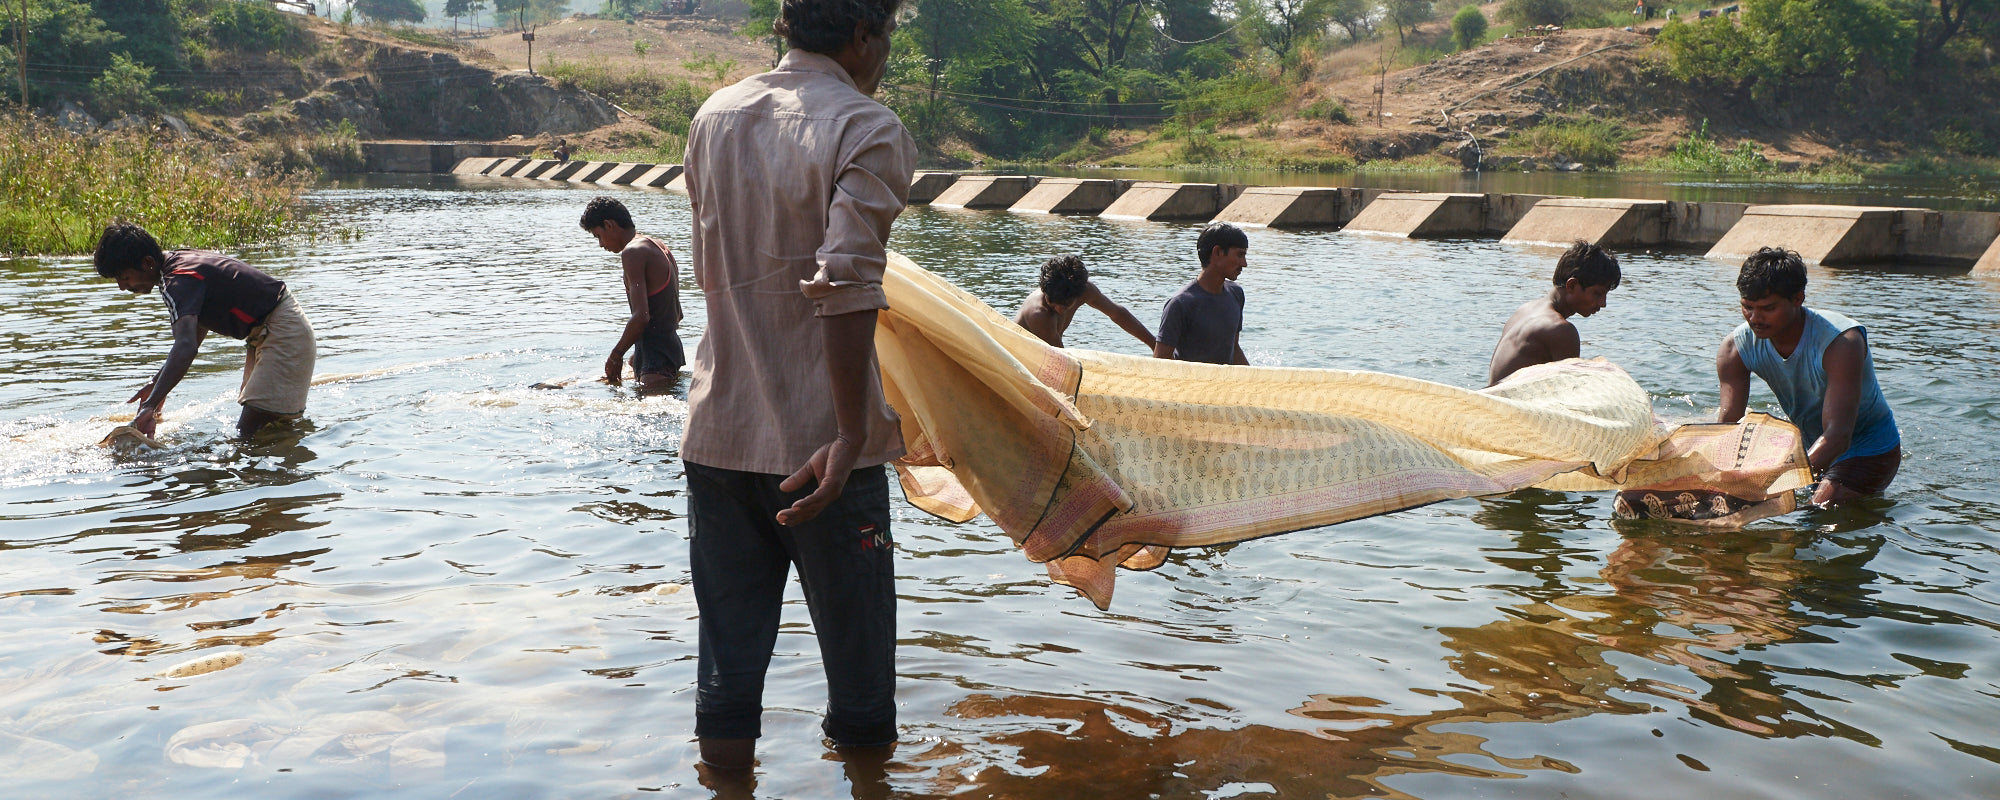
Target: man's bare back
[
  {"x": 1536, "y": 334},
  {"x": 1050, "y": 321}
]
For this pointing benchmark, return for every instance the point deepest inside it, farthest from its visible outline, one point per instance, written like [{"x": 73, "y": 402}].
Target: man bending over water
[
  {"x": 651, "y": 289},
  {"x": 213, "y": 292},
  {"x": 1540, "y": 331},
  {"x": 1205, "y": 320},
  {"x": 1817, "y": 363},
  {"x": 1066, "y": 287}
]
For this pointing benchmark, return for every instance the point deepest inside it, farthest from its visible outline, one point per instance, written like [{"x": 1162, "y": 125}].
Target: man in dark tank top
[{"x": 651, "y": 289}]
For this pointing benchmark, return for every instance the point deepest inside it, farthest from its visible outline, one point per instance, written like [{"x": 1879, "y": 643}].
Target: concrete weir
[
  {"x": 1842, "y": 235},
  {"x": 1296, "y": 206},
  {"x": 591, "y": 171},
  {"x": 658, "y": 177},
  {"x": 1070, "y": 196},
  {"x": 926, "y": 186},
  {"x": 1424, "y": 215},
  {"x": 476, "y": 166},
  {"x": 1609, "y": 222},
  {"x": 985, "y": 191},
  {"x": 1162, "y": 202},
  {"x": 623, "y": 173}
]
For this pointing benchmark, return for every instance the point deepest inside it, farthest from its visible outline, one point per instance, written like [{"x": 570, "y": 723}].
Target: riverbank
[{"x": 58, "y": 190}]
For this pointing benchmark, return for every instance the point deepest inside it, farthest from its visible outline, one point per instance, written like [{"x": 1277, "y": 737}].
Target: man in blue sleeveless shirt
[{"x": 1817, "y": 363}]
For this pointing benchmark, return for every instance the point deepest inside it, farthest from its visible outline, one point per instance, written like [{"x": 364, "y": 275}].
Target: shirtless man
[
  {"x": 1065, "y": 288},
  {"x": 1540, "y": 331},
  {"x": 652, "y": 290},
  {"x": 1817, "y": 363}
]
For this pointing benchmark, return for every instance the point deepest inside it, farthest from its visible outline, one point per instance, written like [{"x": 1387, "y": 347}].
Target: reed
[{"x": 58, "y": 190}]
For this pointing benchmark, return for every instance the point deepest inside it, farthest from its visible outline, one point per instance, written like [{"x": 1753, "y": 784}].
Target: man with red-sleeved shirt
[{"x": 212, "y": 292}]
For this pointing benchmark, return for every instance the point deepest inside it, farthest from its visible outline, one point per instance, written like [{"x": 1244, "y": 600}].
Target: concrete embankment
[{"x": 1823, "y": 235}]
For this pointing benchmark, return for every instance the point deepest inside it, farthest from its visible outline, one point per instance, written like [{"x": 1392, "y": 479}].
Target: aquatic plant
[{"x": 59, "y": 189}]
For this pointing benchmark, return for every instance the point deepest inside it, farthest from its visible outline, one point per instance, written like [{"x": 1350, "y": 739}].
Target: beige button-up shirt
[{"x": 795, "y": 177}]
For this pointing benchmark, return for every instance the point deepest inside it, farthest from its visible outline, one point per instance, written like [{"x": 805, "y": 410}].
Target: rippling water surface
[{"x": 447, "y": 583}]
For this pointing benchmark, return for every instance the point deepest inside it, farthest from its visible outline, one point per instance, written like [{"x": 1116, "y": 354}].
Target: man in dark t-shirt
[
  {"x": 212, "y": 292},
  {"x": 1205, "y": 320}
]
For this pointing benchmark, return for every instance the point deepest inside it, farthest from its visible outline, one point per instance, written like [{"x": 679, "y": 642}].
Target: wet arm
[
  {"x": 1118, "y": 314},
  {"x": 1844, "y": 362},
  {"x": 635, "y": 325},
  {"x": 1734, "y": 380},
  {"x": 188, "y": 334}
]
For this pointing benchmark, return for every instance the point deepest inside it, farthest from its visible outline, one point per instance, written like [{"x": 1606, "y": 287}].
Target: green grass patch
[
  {"x": 1428, "y": 162},
  {"x": 1590, "y": 142},
  {"x": 58, "y": 191}
]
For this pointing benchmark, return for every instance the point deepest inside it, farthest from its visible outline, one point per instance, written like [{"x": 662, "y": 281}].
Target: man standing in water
[
  {"x": 213, "y": 292},
  {"x": 1066, "y": 287},
  {"x": 1818, "y": 365},
  {"x": 795, "y": 176},
  {"x": 652, "y": 290},
  {"x": 1205, "y": 320},
  {"x": 1540, "y": 331}
]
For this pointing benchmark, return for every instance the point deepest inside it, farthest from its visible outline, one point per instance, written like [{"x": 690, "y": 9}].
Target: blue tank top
[{"x": 1800, "y": 383}]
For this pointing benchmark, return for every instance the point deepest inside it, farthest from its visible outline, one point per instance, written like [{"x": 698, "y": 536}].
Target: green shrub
[
  {"x": 1329, "y": 110},
  {"x": 1700, "y": 152},
  {"x": 1590, "y": 142},
  {"x": 58, "y": 191},
  {"x": 125, "y": 87},
  {"x": 1468, "y": 27},
  {"x": 255, "y": 27}
]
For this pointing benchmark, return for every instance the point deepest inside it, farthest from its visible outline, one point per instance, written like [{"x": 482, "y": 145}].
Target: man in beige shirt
[{"x": 795, "y": 176}]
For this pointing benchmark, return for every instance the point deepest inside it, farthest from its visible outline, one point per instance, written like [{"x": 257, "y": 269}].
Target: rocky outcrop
[{"x": 413, "y": 94}]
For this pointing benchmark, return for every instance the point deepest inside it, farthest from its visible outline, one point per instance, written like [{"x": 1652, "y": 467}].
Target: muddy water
[{"x": 449, "y": 582}]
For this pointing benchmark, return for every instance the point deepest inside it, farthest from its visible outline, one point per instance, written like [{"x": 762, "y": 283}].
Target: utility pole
[{"x": 22, "y": 40}]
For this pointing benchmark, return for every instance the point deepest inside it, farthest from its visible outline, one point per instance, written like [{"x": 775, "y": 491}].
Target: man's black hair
[
  {"x": 603, "y": 209},
  {"x": 125, "y": 246},
  {"x": 1769, "y": 271},
  {"x": 1064, "y": 278},
  {"x": 1589, "y": 265},
  {"x": 826, "y": 26},
  {"x": 1219, "y": 234}
]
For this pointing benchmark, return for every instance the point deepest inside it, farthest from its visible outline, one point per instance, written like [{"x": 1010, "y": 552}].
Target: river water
[{"x": 447, "y": 583}]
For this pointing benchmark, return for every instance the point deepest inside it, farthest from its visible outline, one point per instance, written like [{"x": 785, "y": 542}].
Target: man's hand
[
  {"x": 146, "y": 420},
  {"x": 143, "y": 393},
  {"x": 614, "y": 369},
  {"x": 829, "y": 465}
]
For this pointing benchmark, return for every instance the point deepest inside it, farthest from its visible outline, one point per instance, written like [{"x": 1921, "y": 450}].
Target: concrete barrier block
[
  {"x": 1294, "y": 207},
  {"x": 625, "y": 173},
  {"x": 1989, "y": 263},
  {"x": 1948, "y": 237},
  {"x": 678, "y": 184},
  {"x": 591, "y": 171},
  {"x": 658, "y": 177},
  {"x": 1613, "y": 223},
  {"x": 1701, "y": 224},
  {"x": 926, "y": 186},
  {"x": 566, "y": 170},
  {"x": 474, "y": 166},
  {"x": 1422, "y": 214},
  {"x": 1070, "y": 196},
  {"x": 985, "y": 191},
  {"x": 1163, "y": 202},
  {"x": 1829, "y": 235},
  {"x": 539, "y": 169},
  {"x": 512, "y": 168}
]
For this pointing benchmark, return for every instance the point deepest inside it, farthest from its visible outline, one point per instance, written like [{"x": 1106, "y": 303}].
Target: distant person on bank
[
  {"x": 1066, "y": 287},
  {"x": 1204, "y": 321},
  {"x": 1540, "y": 332},
  {"x": 561, "y": 151},
  {"x": 795, "y": 176},
  {"x": 1817, "y": 363},
  {"x": 652, "y": 290},
  {"x": 208, "y": 292}
]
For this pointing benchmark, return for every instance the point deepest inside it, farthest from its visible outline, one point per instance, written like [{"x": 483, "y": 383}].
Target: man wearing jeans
[{"x": 795, "y": 176}]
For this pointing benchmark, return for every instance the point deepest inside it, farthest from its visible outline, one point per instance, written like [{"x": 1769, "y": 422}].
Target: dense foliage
[
  {"x": 58, "y": 190},
  {"x": 127, "y": 56},
  {"x": 1788, "y": 50}
]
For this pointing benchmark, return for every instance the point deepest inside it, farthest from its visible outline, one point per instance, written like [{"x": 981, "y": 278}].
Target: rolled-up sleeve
[{"x": 872, "y": 188}]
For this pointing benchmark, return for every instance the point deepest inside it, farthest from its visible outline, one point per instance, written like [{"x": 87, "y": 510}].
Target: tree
[
  {"x": 1795, "y": 47},
  {"x": 529, "y": 13},
  {"x": 958, "y": 41},
  {"x": 1408, "y": 14},
  {"x": 390, "y": 10},
  {"x": 1468, "y": 27},
  {"x": 1357, "y": 17},
  {"x": 1282, "y": 26},
  {"x": 460, "y": 8}
]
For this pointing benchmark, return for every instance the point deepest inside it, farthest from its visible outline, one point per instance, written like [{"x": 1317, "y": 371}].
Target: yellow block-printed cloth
[{"x": 1092, "y": 460}]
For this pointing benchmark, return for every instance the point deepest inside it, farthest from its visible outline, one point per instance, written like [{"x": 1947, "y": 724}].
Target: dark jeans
[{"x": 740, "y": 557}]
